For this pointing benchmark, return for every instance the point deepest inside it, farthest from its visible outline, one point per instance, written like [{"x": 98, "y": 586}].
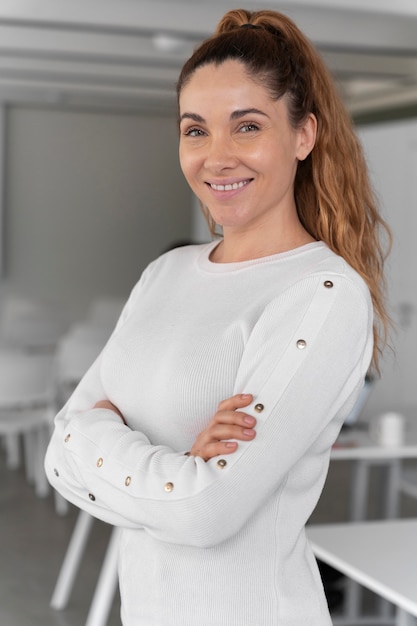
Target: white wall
[
  {"x": 391, "y": 150},
  {"x": 91, "y": 198}
]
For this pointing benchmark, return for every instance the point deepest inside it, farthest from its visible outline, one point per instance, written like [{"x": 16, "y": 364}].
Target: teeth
[{"x": 229, "y": 187}]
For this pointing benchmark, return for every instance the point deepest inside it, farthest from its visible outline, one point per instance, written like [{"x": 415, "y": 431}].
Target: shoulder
[
  {"x": 322, "y": 284},
  {"x": 172, "y": 260},
  {"x": 164, "y": 269},
  {"x": 335, "y": 267},
  {"x": 301, "y": 272}
]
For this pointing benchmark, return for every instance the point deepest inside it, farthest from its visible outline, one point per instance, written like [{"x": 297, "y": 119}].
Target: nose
[{"x": 221, "y": 153}]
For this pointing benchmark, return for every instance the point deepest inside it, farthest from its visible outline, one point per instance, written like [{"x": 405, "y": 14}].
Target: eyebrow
[
  {"x": 192, "y": 116},
  {"x": 242, "y": 113},
  {"x": 233, "y": 116}
]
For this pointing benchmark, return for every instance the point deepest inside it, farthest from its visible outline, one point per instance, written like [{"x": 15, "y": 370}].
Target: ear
[{"x": 307, "y": 137}]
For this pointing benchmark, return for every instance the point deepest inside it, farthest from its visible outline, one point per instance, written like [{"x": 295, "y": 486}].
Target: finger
[
  {"x": 235, "y": 402},
  {"x": 220, "y": 448},
  {"x": 232, "y": 417},
  {"x": 221, "y": 438},
  {"x": 222, "y": 432}
]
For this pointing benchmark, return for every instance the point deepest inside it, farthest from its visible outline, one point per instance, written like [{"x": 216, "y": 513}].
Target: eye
[
  {"x": 193, "y": 132},
  {"x": 248, "y": 127}
]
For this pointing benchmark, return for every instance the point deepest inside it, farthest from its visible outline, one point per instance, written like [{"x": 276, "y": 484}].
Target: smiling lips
[{"x": 230, "y": 186}]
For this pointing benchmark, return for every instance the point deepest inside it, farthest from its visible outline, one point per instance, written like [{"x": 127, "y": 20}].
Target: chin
[{"x": 229, "y": 221}]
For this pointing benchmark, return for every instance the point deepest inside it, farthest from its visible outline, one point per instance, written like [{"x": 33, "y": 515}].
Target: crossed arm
[{"x": 228, "y": 423}]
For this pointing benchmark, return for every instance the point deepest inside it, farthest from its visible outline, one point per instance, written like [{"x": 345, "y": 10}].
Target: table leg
[
  {"x": 353, "y": 599},
  {"x": 106, "y": 585},
  {"x": 359, "y": 490},
  {"x": 404, "y": 619},
  {"x": 389, "y": 501},
  {"x": 357, "y": 512},
  {"x": 392, "y": 496},
  {"x": 72, "y": 559}
]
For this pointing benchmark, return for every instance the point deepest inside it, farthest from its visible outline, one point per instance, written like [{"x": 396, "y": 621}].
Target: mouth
[{"x": 230, "y": 186}]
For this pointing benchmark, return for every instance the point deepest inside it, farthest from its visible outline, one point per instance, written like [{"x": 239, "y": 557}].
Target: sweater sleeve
[{"x": 304, "y": 362}]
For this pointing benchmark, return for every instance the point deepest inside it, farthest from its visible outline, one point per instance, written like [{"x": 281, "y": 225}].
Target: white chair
[
  {"x": 75, "y": 352},
  {"x": 108, "y": 579},
  {"x": 26, "y": 400},
  {"x": 107, "y": 584},
  {"x": 30, "y": 324}
]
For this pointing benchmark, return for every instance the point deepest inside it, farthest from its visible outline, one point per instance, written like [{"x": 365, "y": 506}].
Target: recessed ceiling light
[{"x": 169, "y": 43}]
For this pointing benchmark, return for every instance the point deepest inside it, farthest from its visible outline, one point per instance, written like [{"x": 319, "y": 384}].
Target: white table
[
  {"x": 381, "y": 556},
  {"x": 355, "y": 444}
]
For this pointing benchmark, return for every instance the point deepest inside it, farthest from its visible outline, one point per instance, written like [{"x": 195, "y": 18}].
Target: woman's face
[{"x": 238, "y": 150}]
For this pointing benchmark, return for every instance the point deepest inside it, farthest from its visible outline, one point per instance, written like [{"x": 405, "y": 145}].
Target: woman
[{"x": 204, "y": 428}]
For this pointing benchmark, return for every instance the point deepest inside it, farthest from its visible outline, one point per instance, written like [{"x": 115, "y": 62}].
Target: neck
[{"x": 234, "y": 249}]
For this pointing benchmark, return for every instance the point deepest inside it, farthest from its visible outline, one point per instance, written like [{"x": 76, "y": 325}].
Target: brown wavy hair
[{"x": 333, "y": 195}]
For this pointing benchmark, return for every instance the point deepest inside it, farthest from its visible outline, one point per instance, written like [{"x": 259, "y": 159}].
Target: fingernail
[
  {"x": 249, "y": 420},
  {"x": 231, "y": 444},
  {"x": 249, "y": 432},
  {"x": 245, "y": 396}
]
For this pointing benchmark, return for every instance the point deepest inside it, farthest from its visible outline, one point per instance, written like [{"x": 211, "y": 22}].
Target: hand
[
  {"x": 227, "y": 423},
  {"x": 106, "y": 404}
]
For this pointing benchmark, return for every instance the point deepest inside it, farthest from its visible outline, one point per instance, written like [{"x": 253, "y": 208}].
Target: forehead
[{"x": 214, "y": 85}]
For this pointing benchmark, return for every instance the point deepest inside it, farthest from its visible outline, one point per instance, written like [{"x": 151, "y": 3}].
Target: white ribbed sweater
[{"x": 215, "y": 544}]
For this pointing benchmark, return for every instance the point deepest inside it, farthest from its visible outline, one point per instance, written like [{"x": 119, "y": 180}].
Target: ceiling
[{"x": 126, "y": 54}]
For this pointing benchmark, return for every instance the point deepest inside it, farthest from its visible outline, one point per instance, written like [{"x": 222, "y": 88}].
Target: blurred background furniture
[
  {"x": 26, "y": 405},
  {"x": 408, "y": 481},
  {"x": 379, "y": 555},
  {"x": 108, "y": 579},
  {"x": 356, "y": 446},
  {"x": 75, "y": 352},
  {"x": 30, "y": 324}
]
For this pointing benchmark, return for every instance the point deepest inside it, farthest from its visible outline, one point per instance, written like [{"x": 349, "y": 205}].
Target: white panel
[
  {"x": 92, "y": 199},
  {"x": 392, "y": 154}
]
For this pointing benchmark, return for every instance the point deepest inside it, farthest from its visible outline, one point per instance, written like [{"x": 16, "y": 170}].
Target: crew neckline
[{"x": 206, "y": 264}]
